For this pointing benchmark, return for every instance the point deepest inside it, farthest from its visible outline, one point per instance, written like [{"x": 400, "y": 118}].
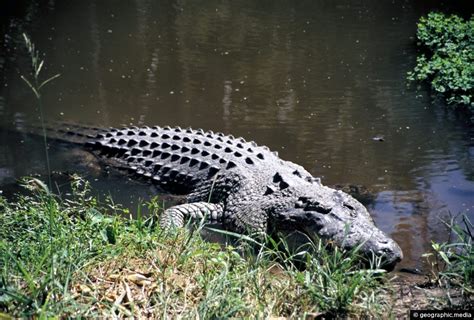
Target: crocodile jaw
[
  {"x": 372, "y": 242},
  {"x": 342, "y": 225}
]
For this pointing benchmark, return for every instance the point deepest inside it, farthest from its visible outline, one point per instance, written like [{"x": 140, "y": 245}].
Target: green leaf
[
  {"x": 449, "y": 64},
  {"x": 111, "y": 235},
  {"x": 444, "y": 256}
]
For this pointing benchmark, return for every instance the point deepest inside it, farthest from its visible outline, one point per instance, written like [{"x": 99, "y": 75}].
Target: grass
[
  {"x": 36, "y": 85},
  {"x": 97, "y": 262},
  {"x": 452, "y": 264}
]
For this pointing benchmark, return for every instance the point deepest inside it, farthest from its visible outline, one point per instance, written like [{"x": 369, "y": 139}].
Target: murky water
[{"x": 315, "y": 80}]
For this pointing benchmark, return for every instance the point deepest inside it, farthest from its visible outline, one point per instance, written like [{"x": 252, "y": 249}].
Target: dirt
[{"x": 418, "y": 292}]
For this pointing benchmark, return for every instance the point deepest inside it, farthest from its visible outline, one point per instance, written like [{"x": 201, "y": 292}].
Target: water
[{"x": 318, "y": 81}]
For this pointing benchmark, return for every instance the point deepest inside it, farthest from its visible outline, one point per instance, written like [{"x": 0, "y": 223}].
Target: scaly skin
[{"x": 246, "y": 187}]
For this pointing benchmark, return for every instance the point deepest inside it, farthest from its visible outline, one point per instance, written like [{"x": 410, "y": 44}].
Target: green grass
[
  {"x": 36, "y": 85},
  {"x": 452, "y": 263},
  {"x": 95, "y": 261}
]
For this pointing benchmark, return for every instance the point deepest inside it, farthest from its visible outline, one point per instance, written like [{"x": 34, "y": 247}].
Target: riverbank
[{"x": 73, "y": 256}]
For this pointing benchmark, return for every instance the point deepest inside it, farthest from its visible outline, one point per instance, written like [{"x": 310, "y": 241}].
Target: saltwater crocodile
[{"x": 246, "y": 187}]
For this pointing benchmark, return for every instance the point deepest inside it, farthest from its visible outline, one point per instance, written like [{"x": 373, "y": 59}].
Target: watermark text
[{"x": 441, "y": 314}]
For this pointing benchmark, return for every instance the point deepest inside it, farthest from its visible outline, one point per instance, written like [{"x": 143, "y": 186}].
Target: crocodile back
[{"x": 178, "y": 159}]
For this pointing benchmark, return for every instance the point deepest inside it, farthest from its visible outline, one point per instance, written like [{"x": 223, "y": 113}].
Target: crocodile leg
[{"x": 177, "y": 215}]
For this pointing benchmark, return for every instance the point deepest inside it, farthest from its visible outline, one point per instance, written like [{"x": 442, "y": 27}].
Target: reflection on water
[{"x": 314, "y": 80}]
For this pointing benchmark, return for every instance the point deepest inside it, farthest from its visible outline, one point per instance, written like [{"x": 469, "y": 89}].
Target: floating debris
[{"x": 379, "y": 137}]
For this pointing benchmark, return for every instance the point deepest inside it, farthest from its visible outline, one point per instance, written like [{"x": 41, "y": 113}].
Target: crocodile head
[{"x": 339, "y": 219}]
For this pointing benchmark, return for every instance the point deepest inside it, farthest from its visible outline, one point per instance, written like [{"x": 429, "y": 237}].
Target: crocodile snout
[
  {"x": 389, "y": 252},
  {"x": 372, "y": 243}
]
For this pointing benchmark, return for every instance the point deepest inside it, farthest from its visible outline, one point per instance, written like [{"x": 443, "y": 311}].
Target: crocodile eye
[
  {"x": 308, "y": 204},
  {"x": 318, "y": 208},
  {"x": 348, "y": 206},
  {"x": 313, "y": 205},
  {"x": 352, "y": 211}
]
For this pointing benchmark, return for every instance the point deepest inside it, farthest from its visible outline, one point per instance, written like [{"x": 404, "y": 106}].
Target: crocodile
[{"x": 243, "y": 186}]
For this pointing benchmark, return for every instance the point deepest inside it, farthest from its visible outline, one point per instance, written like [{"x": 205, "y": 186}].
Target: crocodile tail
[{"x": 70, "y": 133}]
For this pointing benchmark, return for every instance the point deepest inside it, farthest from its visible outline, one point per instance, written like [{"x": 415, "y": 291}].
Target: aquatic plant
[{"x": 448, "y": 63}]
